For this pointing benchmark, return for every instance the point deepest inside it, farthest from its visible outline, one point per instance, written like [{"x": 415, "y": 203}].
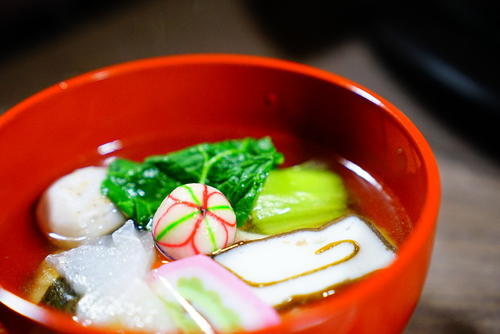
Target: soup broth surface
[{"x": 369, "y": 197}]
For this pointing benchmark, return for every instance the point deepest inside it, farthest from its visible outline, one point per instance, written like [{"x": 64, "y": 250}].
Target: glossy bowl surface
[{"x": 161, "y": 104}]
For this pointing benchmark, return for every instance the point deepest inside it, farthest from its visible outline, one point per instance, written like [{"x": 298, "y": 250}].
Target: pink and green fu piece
[{"x": 213, "y": 298}]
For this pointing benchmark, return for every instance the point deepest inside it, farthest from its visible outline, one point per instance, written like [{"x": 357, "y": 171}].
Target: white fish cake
[
  {"x": 306, "y": 262},
  {"x": 73, "y": 210}
]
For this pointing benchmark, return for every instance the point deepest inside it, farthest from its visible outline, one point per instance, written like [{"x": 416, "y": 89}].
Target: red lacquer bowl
[{"x": 158, "y": 105}]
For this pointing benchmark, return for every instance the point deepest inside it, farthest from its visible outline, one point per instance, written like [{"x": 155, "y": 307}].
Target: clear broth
[{"x": 369, "y": 197}]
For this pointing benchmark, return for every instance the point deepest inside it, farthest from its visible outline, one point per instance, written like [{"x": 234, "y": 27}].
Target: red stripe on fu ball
[
  {"x": 214, "y": 193},
  {"x": 155, "y": 229},
  {"x": 205, "y": 196},
  {"x": 227, "y": 234},
  {"x": 190, "y": 204},
  {"x": 221, "y": 220},
  {"x": 189, "y": 238},
  {"x": 197, "y": 226}
]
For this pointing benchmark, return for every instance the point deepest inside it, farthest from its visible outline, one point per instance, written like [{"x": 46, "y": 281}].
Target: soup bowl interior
[{"x": 158, "y": 105}]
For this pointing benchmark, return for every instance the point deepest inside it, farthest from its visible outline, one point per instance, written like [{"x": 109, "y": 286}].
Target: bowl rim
[{"x": 421, "y": 234}]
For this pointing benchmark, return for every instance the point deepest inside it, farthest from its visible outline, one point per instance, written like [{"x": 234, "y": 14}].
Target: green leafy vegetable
[
  {"x": 302, "y": 196},
  {"x": 238, "y": 168}
]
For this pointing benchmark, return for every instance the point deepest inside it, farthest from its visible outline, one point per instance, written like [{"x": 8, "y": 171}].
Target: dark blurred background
[{"x": 435, "y": 60}]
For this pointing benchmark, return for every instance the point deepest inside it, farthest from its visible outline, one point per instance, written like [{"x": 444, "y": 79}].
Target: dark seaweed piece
[{"x": 61, "y": 296}]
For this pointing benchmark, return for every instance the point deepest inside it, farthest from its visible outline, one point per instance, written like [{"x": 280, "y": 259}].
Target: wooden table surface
[{"x": 462, "y": 293}]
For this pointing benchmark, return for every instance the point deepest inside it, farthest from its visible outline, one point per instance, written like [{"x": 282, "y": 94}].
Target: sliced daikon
[{"x": 110, "y": 275}]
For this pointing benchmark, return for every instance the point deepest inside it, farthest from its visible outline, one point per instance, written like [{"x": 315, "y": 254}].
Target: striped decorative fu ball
[{"x": 194, "y": 219}]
